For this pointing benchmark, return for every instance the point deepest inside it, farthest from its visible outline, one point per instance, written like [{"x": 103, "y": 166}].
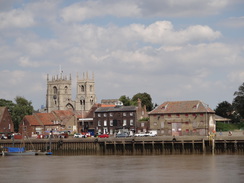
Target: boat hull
[{"x": 31, "y": 153}]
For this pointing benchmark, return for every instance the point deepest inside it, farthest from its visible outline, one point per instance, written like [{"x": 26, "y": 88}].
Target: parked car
[
  {"x": 4, "y": 137},
  {"x": 79, "y": 135},
  {"x": 122, "y": 135},
  {"x": 103, "y": 136}
]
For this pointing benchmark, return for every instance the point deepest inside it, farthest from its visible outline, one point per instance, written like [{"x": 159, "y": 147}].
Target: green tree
[
  {"x": 126, "y": 100},
  {"x": 238, "y": 101},
  {"x": 145, "y": 100},
  {"x": 18, "y": 110},
  {"x": 224, "y": 109},
  {"x": 7, "y": 103},
  {"x": 23, "y": 107}
]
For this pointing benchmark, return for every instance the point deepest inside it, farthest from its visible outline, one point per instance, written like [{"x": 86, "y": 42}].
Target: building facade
[
  {"x": 109, "y": 120},
  {"x": 56, "y": 121},
  {"x": 59, "y": 93},
  {"x": 6, "y": 123},
  {"x": 182, "y": 118}
]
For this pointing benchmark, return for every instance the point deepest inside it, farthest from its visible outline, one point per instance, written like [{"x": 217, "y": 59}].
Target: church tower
[
  {"x": 59, "y": 95},
  {"x": 85, "y": 94}
]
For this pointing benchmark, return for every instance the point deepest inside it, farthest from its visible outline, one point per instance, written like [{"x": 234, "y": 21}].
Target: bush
[
  {"x": 226, "y": 126},
  {"x": 144, "y": 119}
]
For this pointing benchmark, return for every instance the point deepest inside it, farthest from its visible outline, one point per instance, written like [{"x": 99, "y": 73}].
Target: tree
[
  {"x": 145, "y": 100},
  {"x": 126, "y": 100},
  {"x": 7, "y": 103},
  {"x": 225, "y": 109},
  {"x": 22, "y": 108},
  {"x": 238, "y": 101},
  {"x": 18, "y": 110}
]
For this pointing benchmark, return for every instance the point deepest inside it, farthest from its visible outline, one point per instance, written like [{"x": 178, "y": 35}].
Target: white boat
[{"x": 17, "y": 151}]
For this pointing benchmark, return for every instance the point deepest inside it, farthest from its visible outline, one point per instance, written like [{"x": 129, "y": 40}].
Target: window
[
  {"x": 65, "y": 89},
  {"x": 131, "y": 113},
  {"x": 99, "y": 123},
  {"x": 142, "y": 124},
  {"x": 155, "y": 123},
  {"x": 111, "y": 114},
  {"x": 82, "y": 88},
  {"x": 111, "y": 122},
  {"x": 131, "y": 122},
  {"x": 124, "y": 122},
  {"x": 124, "y": 114},
  {"x": 162, "y": 124},
  {"x": 105, "y": 115},
  {"x": 55, "y": 90},
  {"x": 90, "y": 88},
  {"x": 99, "y": 115},
  {"x": 105, "y": 123}
]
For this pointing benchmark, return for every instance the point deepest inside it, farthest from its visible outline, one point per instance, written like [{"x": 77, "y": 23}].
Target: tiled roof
[
  {"x": 62, "y": 114},
  {"x": 1, "y": 112},
  {"x": 32, "y": 120},
  {"x": 194, "y": 106},
  {"x": 46, "y": 118},
  {"x": 116, "y": 109},
  {"x": 107, "y": 105}
]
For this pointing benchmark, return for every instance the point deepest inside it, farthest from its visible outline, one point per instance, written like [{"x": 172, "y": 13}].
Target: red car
[{"x": 103, "y": 136}]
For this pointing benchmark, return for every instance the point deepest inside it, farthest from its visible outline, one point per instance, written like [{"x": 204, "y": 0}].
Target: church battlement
[{"x": 60, "y": 77}]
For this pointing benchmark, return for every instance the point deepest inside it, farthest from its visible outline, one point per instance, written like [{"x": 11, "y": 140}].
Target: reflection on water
[{"x": 119, "y": 169}]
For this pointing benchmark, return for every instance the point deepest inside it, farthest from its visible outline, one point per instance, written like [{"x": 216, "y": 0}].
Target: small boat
[
  {"x": 44, "y": 153},
  {"x": 17, "y": 151}
]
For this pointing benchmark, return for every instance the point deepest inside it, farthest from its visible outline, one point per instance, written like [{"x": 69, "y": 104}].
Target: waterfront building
[
  {"x": 182, "y": 118},
  {"x": 109, "y": 120},
  {"x": 6, "y": 123},
  {"x": 58, "y": 120}
]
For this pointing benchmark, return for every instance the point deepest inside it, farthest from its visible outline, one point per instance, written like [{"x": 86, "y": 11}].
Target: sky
[{"x": 173, "y": 50}]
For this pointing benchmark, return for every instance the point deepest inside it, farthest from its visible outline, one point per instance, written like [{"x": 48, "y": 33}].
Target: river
[{"x": 122, "y": 169}]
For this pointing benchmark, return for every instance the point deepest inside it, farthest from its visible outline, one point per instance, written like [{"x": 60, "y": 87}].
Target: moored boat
[{"x": 17, "y": 151}]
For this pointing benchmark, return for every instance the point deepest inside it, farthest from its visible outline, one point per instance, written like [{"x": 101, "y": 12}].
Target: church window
[
  {"x": 65, "y": 89},
  {"x": 82, "y": 88},
  {"x": 55, "y": 90}
]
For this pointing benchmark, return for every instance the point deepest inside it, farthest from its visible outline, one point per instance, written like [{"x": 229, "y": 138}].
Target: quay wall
[{"x": 134, "y": 145}]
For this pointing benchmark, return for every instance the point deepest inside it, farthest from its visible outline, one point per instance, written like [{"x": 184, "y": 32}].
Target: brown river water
[{"x": 122, "y": 169}]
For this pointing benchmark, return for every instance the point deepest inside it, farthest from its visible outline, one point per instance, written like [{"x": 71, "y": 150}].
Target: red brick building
[{"x": 6, "y": 123}]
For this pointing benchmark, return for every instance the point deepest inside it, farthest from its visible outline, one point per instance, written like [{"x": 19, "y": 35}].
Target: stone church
[{"x": 59, "y": 93}]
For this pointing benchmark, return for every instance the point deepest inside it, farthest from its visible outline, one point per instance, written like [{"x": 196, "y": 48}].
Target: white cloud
[
  {"x": 163, "y": 32},
  {"x": 234, "y": 22},
  {"x": 89, "y": 9},
  {"x": 236, "y": 76},
  {"x": 141, "y": 8},
  {"x": 16, "y": 18},
  {"x": 25, "y": 62}
]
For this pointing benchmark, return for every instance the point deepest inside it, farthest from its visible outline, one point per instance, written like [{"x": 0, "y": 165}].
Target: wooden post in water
[
  {"x": 203, "y": 146},
  {"x": 153, "y": 148},
  {"x": 193, "y": 146},
  {"x": 123, "y": 143},
  {"x": 213, "y": 145}
]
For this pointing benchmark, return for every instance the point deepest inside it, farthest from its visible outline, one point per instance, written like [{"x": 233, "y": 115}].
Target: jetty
[{"x": 136, "y": 145}]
